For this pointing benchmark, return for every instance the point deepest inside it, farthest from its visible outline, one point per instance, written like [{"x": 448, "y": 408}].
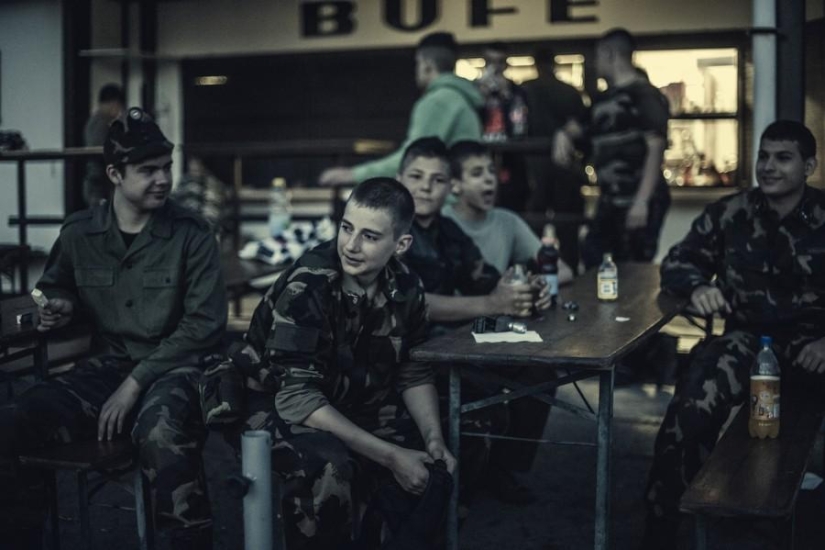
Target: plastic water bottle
[
  {"x": 764, "y": 403},
  {"x": 607, "y": 280},
  {"x": 279, "y": 208},
  {"x": 547, "y": 261}
]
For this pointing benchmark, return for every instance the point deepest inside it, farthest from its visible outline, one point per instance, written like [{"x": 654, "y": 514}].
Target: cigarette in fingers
[{"x": 40, "y": 298}]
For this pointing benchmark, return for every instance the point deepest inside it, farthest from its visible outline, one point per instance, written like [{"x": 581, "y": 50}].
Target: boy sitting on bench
[
  {"x": 764, "y": 248},
  {"x": 146, "y": 274},
  {"x": 327, "y": 348}
]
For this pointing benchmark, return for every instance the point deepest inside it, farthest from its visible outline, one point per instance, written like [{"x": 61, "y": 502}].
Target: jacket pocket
[{"x": 160, "y": 300}]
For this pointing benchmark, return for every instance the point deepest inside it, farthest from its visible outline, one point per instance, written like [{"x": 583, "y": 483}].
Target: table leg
[
  {"x": 604, "y": 442},
  {"x": 455, "y": 436}
]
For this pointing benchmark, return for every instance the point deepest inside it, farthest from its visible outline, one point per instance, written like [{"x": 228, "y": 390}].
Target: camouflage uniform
[
  {"x": 772, "y": 272},
  {"x": 209, "y": 197},
  {"x": 448, "y": 261},
  {"x": 620, "y": 118},
  {"x": 312, "y": 343},
  {"x": 156, "y": 308}
]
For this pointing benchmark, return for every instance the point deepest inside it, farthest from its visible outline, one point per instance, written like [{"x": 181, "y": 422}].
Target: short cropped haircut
[
  {"x": 111, "y": 92},
  {"x": 441, "y": 49},
  {"x": 427, "y": 147},
  {"x": 463, "y": 150},
  {"x": 620, "y": 40},
  {"x": 387, "y": 194},
  {"x": 790, "y": 130}
]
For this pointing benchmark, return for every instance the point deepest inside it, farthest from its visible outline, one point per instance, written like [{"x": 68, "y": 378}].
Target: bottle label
[
  {"x": 608, "y": 288},
  {"x": 552, "y": 284},
  {"x": 764, "y": 397}
]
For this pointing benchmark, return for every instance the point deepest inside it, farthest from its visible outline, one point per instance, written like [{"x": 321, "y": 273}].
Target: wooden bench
[
  {"x": 87, "y": 457},
  {"x": 746, "y": 477}
]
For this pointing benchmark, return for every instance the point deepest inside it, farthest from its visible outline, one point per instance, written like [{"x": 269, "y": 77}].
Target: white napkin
[{"x": 510, "y": 336}]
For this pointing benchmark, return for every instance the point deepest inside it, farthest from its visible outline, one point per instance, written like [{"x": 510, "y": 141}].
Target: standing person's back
[
  {"x": 110, "y": 104},
  {"x": 448, "y": 110},
  {"x": 628, "y": 135}
]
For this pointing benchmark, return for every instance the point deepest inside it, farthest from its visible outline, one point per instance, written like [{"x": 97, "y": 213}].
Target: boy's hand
[
  {"x": 408, "y": 468},
  {"x": 338, "y": 175},
  {"x": 511, "y": 299},
  {"x": 812, "y": 357},
  {"x": 56, "y": 314},
  {"x": 707, "y": 300},
  {"x": 116, "y": 408},
  {"x": 438, "y": 450},
  {"x": 541, "y": 291},
  {"x": 637, "y": 215}
]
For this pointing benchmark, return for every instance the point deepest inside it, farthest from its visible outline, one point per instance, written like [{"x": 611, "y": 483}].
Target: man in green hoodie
[{"x": 449, "y": 110}]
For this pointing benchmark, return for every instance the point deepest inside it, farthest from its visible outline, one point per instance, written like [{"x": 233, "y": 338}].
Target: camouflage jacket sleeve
[
  {"x": 693, "y": 262},
  {"x": 414, "y": 373},
  {"x": 290, "y": 344}
]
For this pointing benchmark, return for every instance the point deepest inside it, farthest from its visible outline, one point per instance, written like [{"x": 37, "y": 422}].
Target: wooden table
[{"x": 588, "y": 347}]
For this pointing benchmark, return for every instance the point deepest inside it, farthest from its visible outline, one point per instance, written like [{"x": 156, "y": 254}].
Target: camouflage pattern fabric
[
  {"x": 608, "y": 232},
  {"x": 447, "y": 260},
  {"x": 209, "y": 197},
  {"x": 771, "y": 271},
  {"x": 318, "y": 473},
  {"x": 620, "y": 118},
  {"x": 166, "y": 430},
  {"x": 313, "y": 343},
  {"x": 134, "y": 137}
]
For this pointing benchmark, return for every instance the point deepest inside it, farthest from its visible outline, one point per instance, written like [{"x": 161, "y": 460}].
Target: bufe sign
[{"x": 340, "y": 17}]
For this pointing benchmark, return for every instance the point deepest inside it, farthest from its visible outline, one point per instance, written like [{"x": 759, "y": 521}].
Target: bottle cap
[{"x": 766, "y": 341}]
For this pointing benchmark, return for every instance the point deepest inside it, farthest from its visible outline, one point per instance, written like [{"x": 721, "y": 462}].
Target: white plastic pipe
[
  {"x": 256, "y": 461},
  {"x": 764, "y": 70}
]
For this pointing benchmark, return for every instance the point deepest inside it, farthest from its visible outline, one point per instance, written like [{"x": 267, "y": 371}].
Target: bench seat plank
[
  {"x": 80, "y": 456},
  {"x": 746, "y": 476}
]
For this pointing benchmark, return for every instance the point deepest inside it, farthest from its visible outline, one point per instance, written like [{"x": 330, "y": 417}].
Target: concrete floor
[{"x": 563, "y": 476}]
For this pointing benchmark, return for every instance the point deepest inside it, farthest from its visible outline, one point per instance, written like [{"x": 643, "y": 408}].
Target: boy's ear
[
  {"x": 810, "y": 166},
  {"x": 403, "y": 244},
  {"x": 114, "y": 174}
]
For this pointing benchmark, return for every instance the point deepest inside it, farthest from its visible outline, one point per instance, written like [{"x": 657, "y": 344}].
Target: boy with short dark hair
[
  {"x": 146, "y": 274},
  {"x": 447, "y": 261},
  {"x": 503, "y": 238},
  {"x": 756, "y": 258},
  {"x": 330, "y": 341},
  {"x": 444, "y": 257}
]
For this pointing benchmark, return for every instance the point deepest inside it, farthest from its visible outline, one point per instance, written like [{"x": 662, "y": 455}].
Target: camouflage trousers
[
  {"x": 166, "y": 429},
  {"x": 608, "y": 233},
  {"x": 323, "y": 483},
  {"x": 717, "y": 379}
]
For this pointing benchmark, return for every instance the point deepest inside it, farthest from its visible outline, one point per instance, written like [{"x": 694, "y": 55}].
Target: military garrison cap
[{"x": 134, "y": 137}]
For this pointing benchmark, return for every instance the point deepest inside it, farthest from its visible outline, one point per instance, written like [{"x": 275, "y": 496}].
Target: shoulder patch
[{"x": 289, "y": 337}]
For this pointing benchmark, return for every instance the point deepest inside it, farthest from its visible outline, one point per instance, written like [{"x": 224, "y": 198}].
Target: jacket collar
[
  {"x": 159, "y": 224},
  {"x": 805, "y": 211}
]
